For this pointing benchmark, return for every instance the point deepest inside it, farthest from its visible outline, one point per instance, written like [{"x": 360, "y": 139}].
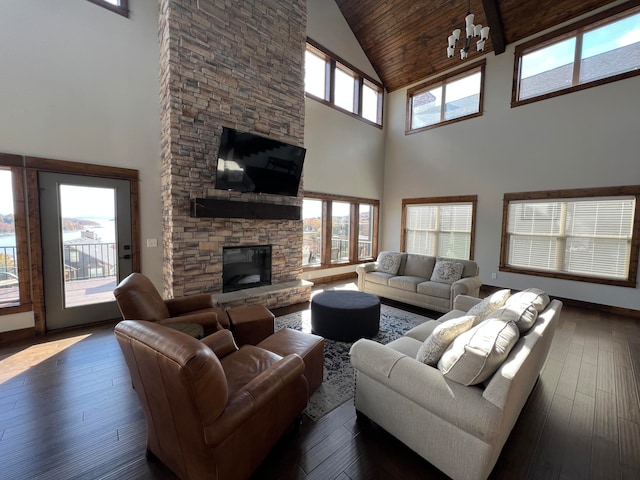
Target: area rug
[{"x": 338, "y": 384}]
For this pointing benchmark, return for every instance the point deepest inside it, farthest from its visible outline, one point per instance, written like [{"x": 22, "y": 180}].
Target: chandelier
[{"x": 470, "y": 31}]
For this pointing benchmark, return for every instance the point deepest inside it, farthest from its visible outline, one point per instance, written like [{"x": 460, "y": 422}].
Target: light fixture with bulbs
[{"x": 470, "y": 31}]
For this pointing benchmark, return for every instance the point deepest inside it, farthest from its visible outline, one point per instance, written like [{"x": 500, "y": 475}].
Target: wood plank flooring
[{"x": 67, "y": 411}]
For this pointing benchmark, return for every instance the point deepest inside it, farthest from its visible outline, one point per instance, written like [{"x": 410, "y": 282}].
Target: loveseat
[
  {"x": 452, "y": 389},
  {"x": 421, "y": 280}
]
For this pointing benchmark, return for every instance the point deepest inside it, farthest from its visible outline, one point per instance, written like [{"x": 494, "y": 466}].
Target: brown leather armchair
[
  {"x": 213, "y": 411},
  {"x": 138, "y": 299}
]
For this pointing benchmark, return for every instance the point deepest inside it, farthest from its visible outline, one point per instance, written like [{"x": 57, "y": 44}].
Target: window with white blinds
[
  {"x": 440, "y": 229},
  {"x": 583, "y": 237}
]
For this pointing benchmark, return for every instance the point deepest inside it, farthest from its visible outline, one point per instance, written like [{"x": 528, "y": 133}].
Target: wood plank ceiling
[{"x": 406, "y": 40}]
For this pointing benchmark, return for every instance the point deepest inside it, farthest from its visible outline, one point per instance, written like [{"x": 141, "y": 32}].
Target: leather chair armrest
[
  {"x": 182, "y": 305},
  {"x": 253, "y": 396},
  {"x": 208, "y": 320},
  {"x": 221, "y": 342}
]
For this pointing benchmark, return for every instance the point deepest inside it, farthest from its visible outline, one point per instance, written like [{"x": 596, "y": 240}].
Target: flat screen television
[{"x": 252, "y": 163}]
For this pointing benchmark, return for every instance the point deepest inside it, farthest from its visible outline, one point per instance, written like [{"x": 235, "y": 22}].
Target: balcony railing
[
  {"x": 83, "y": 261},
  {"x": 311, "y": 255}
]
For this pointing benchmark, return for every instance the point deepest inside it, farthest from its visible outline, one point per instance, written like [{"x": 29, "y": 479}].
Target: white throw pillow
[
  {"x": 389, "y": 262},
  {"x": 535, "y": 296},
  {"x": 524, "y": 315},
  {"x": 446, "y": 271},
  {"x": 489, "y": 305},
  {"x": 441, "y": 337},
  {"x": 477, "y": 353}
]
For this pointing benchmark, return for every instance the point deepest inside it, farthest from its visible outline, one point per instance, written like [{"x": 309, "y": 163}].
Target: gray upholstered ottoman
[{"x": 345, "y": 316}]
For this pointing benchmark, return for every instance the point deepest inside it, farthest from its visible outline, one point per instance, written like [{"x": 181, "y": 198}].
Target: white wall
[
  {"x": 345, "y": 156},
  {"x": 584, "y": 139},
  {"x": 80, "y": 83}
]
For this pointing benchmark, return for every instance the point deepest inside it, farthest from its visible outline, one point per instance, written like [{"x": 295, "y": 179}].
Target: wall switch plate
[
  {"x": 494, "y": 275},
  {"x": 152, "y": 242}
]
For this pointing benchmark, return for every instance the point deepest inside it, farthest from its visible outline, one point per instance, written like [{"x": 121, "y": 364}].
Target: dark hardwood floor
[{"x": 67, "y": 411}]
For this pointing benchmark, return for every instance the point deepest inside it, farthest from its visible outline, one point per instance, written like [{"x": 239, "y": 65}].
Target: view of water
[{"x": 106, "y": 232}]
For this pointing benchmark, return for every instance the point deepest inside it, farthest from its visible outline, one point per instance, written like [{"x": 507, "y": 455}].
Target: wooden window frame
[
  {"x": 121, "y": 9},
  {"x": 554, "y": 195},
  {"x": 14, "y": 164},
  {"x": 327, "y": 204},
  {"x": 333, "y": 62},
  {"x": 442, "y": 81},
  {"x": 576, "y": 30},
  {"x": 473, "y": 199}
]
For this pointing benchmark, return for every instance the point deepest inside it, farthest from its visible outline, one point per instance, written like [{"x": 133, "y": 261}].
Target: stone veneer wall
[{"x": 239, "y": 64}]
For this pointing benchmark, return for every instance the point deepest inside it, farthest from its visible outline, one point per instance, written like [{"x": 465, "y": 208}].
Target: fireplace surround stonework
[{"x": 240, "y": 65}]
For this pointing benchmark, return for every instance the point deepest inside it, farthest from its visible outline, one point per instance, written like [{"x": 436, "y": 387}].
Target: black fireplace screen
[{"x": 245, "y": 267}]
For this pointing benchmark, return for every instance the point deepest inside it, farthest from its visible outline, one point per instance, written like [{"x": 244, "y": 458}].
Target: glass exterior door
[{"x": 86, "y": 237}]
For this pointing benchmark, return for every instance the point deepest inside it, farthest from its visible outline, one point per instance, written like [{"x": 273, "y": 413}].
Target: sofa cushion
[
  {"x": 489, "y": 305},
  {"x": 535, "y": 296},
  {"x": 378, "y": 277},
  {"x": 470, "y": 267},
  {"x": 524, "y": 315},
  {"x": 435, "y": 289},
  {"x": 404, "y": 282},
  {"x": 421, "y": 332},
  {"x": 419, "y": 265},
  {"x": 477, "y": 353},
  {"x": 441, "y": 337},
  {"x": 447, "y": 271},
  {"x": 389, "y": 262}
]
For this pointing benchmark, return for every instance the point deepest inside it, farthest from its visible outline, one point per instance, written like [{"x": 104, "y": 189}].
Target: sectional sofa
[{"x": 452, "y": 389}]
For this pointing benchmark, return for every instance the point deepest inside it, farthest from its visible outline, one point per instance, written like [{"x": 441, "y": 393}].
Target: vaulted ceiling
[{"x": 406, "y": 40}]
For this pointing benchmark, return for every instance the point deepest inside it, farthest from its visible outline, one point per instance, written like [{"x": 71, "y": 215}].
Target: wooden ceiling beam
[{"x": 494, "y": 20}]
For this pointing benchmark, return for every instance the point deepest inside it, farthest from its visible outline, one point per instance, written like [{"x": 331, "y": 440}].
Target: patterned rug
[{"x": 338, "y": 384}]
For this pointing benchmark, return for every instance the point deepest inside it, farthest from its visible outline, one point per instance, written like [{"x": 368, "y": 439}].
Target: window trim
[
  {"x": 551, "y": 195},
  {"x": 327, "y": 201},
  {"x": 333, "y": 62},
  {"x": 473, "y": 199},
  {"x": 24, "y": 303},
  {"x": 442, "y": 81},
  {"x": 122, "y": 9},
  {"x": 577, "y": 29}
]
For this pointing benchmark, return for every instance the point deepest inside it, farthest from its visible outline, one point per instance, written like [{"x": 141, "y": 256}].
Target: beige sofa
[
  {"x": 409, "y": 278},
  {"x": 460, "y": 429}
]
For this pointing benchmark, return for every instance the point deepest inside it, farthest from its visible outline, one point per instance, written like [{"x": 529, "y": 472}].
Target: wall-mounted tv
[{"x": 252, "y": 163}]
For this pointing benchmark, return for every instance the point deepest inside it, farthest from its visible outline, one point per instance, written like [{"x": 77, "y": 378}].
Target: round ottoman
[{"x": 345, "y": 315}]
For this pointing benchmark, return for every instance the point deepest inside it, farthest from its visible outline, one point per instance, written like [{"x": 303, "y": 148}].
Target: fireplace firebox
[{"x": 245, "y": 267}]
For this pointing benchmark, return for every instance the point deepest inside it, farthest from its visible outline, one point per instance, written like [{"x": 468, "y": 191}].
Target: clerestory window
[
  {"x": 599, "y": 50},
  {"x": 334, "y": 82},
  {"x": 450, "y": 98},
  {"x": 118, "y": 6}
]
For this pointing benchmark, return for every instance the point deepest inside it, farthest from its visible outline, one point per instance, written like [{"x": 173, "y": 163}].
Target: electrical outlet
[
  {"x": 152, "y": 242},
  {"x": 494, "y": 275}
]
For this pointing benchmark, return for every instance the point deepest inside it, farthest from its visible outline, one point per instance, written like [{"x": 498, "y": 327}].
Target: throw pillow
[
  {"x": 446, "y": 271},
  {"x": 489, "y": 305},
  {"x": 476, "y": 354},
  {"x": 389, "y": 262},
  {"x": 441, "y": 337},
  {"x": 535, "y": 296},
  {"x": 524, "y": 315}
]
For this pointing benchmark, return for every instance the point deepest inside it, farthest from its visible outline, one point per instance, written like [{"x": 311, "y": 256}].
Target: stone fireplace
[{"x": 240, "y": 65}]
